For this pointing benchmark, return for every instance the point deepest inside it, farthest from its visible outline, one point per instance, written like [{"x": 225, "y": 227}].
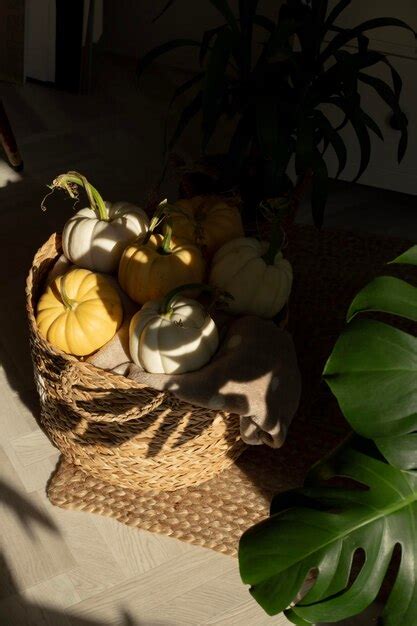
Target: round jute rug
[{"x": 329, "y": 268}]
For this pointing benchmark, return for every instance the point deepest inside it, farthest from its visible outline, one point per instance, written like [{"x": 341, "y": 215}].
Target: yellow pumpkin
[
  {"x": 79, "y": 312},
  {"x": 148, "y": 271},
  {"x": 208, "y": 221}
]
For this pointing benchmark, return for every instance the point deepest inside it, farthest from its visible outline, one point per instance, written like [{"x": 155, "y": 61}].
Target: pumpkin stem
[
  {"x": 69, "y": 303},
  {"x": 277, "y": 234},
  {"x": 68, "y": 182},
  {"x": 156, "y": 219},
  {"x": 166, "y": 243},
  {"x": 164, "y": 209},
  {"x": 168, "y": 301}
]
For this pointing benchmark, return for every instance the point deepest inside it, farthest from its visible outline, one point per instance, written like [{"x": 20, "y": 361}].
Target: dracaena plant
[
  {"x": 272, "y": 78},
  {"x": 319, "y": 529}
]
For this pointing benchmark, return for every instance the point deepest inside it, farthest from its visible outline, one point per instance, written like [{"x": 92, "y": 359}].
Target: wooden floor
[{"x": 61, "y": 567}]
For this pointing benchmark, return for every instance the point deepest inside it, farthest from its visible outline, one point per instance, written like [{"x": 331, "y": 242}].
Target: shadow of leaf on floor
[{"x": 14, "y": 607}]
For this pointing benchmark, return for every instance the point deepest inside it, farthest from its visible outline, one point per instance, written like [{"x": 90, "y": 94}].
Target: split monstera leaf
[{"x": 321, "y": 528}]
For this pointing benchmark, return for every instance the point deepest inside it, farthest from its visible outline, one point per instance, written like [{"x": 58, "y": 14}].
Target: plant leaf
[
  {"x": 163, "y": 10},
  {"x": 215, "y": 80},
  {"x": 224, "y": 8},
  {"x": 151, "y": 56},
  {"x": 319, "y": 188},
  {"x": 276, "y": 555},
  {"x": 399, "y": 451},
  {"x": 239, "y": 145},
  {"x": 372, "y": 372},
  {"x": 342, "y": 38},
  {"x": 334, "y": 13},
  {"x": 388, "y": 295},
  {"x": 305, "y": 144},
  {"x": 247, "y": 10},
  {"x": 371, "y": 124},
  {"x": 181, "y": 89},
  {"x": 409, "y": 257},
  {"x": 383, "y": 90},
  {"x": 206, "y": 41},
  {"x": 333, "y": 137},
  {"x": 364, "y": 140},
  {"x": 389, "y": 96},
  {"x": 188, "y": 113}
]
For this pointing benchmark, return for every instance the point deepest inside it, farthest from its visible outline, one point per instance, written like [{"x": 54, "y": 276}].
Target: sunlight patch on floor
[{"x": 8, "y": 174}]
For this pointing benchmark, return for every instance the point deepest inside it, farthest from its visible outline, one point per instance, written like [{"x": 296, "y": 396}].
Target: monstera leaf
[
  {"x": 320, "y": 529},
  {"x": 322, "y": 535},
  {"x": 372, "y": 370}
]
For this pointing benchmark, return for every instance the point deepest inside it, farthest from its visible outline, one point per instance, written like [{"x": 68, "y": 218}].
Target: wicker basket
[{"x": 110, "y": 426}]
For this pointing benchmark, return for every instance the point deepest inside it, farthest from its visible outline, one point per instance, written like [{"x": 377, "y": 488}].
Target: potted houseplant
[
  {"x": 321, "y": 528},
  {"x": 279, "y": 93}
]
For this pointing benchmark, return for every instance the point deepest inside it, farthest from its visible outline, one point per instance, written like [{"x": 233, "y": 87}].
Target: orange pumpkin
[
  {"x": 208, "y": 221},
  {"x": 148, "y": 271}
]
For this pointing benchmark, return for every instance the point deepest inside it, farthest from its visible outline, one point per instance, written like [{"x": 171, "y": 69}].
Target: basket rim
[{"x": 54, "y": 241}]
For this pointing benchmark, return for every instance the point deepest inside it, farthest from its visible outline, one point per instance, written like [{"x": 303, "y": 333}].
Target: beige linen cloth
[{"x": 254, "y": 373}]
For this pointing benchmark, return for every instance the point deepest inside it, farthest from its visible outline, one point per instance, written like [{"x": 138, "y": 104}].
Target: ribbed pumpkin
[
  {"x": 79, "y": 312},
  {"x": 95, "y": 237},
  {"x": 208, "y": 221},
  {"x": 174, "y": 335},
  {"x": 148, "y": 271},
  {"x": 257, "y": 277}
]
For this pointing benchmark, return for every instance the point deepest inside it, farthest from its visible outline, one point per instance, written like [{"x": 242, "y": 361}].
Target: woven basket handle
[{"x": 101, "y": 403}]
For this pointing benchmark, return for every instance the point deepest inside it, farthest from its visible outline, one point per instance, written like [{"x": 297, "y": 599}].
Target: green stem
[
  {"x": 65, "y": 181},
  {"x": 166, "y": 244},
  {"x": 68, "y": 302},
  {"x": 167, "y": 302},
  {"x": 158, "y": 215}
]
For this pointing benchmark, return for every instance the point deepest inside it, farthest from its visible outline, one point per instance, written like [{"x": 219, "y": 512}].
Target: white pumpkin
[
  {"x": 173, "y": 339},
  {"x": 95, "y": 237},
  {"x": 97, "y": 244},
  {"x": 257, "y": 287}
]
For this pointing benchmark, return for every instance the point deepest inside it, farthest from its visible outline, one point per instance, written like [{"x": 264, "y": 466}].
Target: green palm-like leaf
[
  {"x": 364, "y": 140},
  {"x": 334, "y": 13},
  {"x": 181, "y": 89},
  {"x": 276, "y": 555},
  {"x": 188, "y": 113},
  {"x": 347, "y": 35},
  {"x": 215, "y": 81},
  {"x": 208, "y": 36},
  {"x": 320, "y": 188},
  {"x": 332, "y": 137},
  {"x": 390, "y": 97},
  {"x": 224, "y": 8},
  {"x": 164, "y": 10}
]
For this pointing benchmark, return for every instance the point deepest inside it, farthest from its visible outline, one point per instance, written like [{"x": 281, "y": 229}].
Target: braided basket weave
[{"x": 110, "y": 426}]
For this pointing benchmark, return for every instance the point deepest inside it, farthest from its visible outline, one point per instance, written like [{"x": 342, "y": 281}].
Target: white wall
[{"x": 400, "y": 45}]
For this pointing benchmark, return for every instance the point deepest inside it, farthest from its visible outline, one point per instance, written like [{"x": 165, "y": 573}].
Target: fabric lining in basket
[{"x": 329, "y": 268}]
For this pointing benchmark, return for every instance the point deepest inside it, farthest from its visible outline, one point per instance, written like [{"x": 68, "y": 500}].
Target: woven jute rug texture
[{"x": 329, "y": 268}]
